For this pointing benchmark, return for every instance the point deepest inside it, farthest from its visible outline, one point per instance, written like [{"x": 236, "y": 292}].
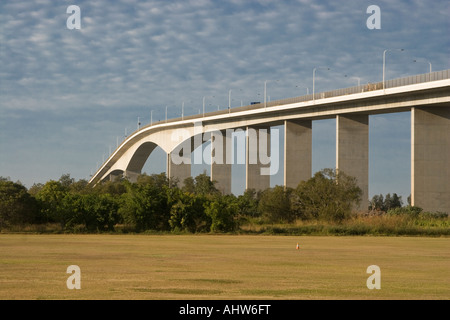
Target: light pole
[
  {"x": 204, "y": 103},
  {"x": 166, "y": 110},
  {"x": 229, "y": 101},
  {"x": 265, "y": 92},
  {"x": 429, "y": 63},
  {"x": 384, "y": 63},
  {"x": 314, "y": 80},
  {"x": 358, "y": 78},
  {"x": 138, "y": 124},
  {"x": 307, "y": 89},
  {"x": 151, "y": 117},
  {"x": 182, "y": 111}
]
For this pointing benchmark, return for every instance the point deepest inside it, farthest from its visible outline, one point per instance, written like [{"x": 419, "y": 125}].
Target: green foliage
[
  {"x": 17, "y": 206},
  {"x": 94, "y": 212},
  {"x": 409, "y": 210},
  {"x": 53, "y": 206},
  {"x": 188, "y": 213},
  {"x": 247, "y": 203},
  {"x": 326, "y": 196},
  {"x": 155, "y": 204},
  {"x": 200, "y": 185},
  {"x": 385, "y": 204},
  {"x": 275, "y": 204},
  {"x": 222, "y": 210},
  {"x": 145, "y": 207}
]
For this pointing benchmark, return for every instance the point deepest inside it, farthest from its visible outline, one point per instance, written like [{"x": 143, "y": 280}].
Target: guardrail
[{"x": 421, "y": 78}]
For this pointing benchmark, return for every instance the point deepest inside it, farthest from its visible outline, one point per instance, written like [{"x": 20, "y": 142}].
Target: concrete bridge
[{"x": 426, "y": 96}]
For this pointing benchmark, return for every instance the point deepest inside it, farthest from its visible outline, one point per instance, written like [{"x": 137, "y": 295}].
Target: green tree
[
  {"x": 247, "y": 203},
  {"x": 188, "y": 213},
  {"x": 157, "y": 180},
  {"x": 189, "y": 185},
  {"x": 200, "y": 185},
  {"x": 275, "y": 204},
  {"x": 392, "y": 202},
  {"x": 327, "y": 195},
  {"x": 145, "y": 207},
  {"x": 204, "y": 185},
  {"x": 17, "y": 206},
  {"x": 115, "y": 188},
  {"x": 95, "y": 212},
  {"x": 377, "y": 203},
  {"x": 222, "y": 211},
  {"x": 51, "y": 199},
  {"x": 381, "y": 203}
]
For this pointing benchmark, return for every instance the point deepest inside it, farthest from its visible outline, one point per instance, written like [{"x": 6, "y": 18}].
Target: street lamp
[
  {"x": 265, "y": 92},
  {"x": 314, "y": 80},
  {"x": 182, "y": 111},
  {"x": 384, "y": 63},
  {"x": 204, "y": 103},
  {"x": 307, "y": 89},
  {"x": 359, "y": 79},
  {"x": 229, "y": 101}
]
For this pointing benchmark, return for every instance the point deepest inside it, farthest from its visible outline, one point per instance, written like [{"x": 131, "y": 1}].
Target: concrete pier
[
  {"x": 297, "y": 152},
  {"x": 430, "y": 158},
  {"x": 352, "y": 151},
  {"x": 254, "y": 151},
  {"x": 221, "y": 160}
]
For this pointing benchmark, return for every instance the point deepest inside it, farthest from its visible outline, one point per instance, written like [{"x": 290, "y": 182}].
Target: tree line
[{"x": 156, "y": 203}]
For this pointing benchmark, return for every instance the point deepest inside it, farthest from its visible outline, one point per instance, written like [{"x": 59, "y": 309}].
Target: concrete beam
[
  {"x": 297, "y": 152},
  {"x": 430, "y": 158},
  {"x": 221, "y": 160},
  {"x": 131, "y": 176},
  {"x": 352, "y": 151},
  {"x": 256, "y": 150},
  {"x": 179, "y": 162}
]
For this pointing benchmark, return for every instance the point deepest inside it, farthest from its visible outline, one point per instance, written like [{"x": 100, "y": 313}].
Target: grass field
[{"x": 221, "y": 267}]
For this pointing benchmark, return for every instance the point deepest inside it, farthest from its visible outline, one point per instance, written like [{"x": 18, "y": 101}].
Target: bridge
[{"x": 425, "y": 96}]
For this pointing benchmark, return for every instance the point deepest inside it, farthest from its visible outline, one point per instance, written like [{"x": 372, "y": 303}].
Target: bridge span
[{"x": 426, "y": 97}]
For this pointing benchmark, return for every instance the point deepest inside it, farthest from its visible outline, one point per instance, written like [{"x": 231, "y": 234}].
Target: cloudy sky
[{"x": 68, "y": 95}]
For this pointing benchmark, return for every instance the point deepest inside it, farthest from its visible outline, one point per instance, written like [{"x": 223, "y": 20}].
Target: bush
[
  {"x": 222, "y": 210},
  {"x": 409, "y": 210},
  {"x": 17, "y": 206},
  {"x": 275, "y": 205},
  {"x": 327, "y": 196}
]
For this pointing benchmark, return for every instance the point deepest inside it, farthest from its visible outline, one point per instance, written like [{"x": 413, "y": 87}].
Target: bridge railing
[{"x": 421, "y": 78}]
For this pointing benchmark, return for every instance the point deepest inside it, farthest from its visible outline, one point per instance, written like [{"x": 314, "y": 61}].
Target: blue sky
[{"x": 67, "y": 96}]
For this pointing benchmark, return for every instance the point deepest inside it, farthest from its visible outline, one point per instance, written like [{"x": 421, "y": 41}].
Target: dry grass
[{"x": 222, "y": 267}]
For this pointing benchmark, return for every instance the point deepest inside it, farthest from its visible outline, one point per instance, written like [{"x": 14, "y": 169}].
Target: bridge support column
[
  {"x": 352, "y": 151},
  {"x": 257, "y": 150},
  {"x": 179, "y": 162},
  {"x": 430, "y": 158},
  {"x": 297, "y": 152},
  {"x": 131, "y": 175},
  {"x": 114, "y": 176},
  {"x": 221, "y": 160}
]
